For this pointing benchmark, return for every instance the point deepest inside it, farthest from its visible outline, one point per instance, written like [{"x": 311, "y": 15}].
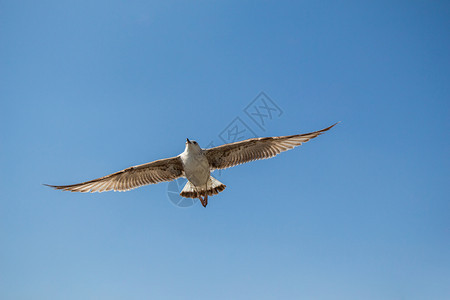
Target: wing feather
[
  {"x": 237, "y": 153},
  {"x": 157, "y": 171}
]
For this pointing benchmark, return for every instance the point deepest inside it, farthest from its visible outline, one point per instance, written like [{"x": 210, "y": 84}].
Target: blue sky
[{"x": 91, "y": 87}]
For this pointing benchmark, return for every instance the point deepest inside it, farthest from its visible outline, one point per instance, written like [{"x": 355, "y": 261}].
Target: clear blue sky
[{"x": 91, "y": 87}]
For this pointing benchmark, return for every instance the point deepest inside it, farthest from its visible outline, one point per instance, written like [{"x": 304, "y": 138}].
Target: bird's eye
[{"x": 195, "y": 143}]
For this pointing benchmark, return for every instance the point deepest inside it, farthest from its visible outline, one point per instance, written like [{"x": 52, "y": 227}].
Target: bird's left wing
[
  {"x": 130, "y": 178},
  {"x": 237, "y": 153}
]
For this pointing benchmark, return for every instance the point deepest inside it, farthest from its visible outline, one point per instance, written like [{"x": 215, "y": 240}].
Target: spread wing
[
  {"x": 237, "y": 153},
  {"x": 130, "y": 178}
]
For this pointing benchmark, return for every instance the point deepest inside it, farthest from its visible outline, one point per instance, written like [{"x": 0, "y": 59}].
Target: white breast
[{"x": 196, "y": 168}]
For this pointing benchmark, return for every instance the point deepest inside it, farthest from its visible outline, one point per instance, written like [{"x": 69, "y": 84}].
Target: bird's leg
[
  {"x": 202, "y": 199},
  {"x": 206, "y": 193}
]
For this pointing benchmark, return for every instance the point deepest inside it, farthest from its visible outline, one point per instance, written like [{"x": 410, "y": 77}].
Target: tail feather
[{"x": 214, "y": 187}]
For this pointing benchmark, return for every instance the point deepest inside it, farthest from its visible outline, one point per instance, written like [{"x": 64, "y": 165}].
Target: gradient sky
[{"x": 91, "y": 87}]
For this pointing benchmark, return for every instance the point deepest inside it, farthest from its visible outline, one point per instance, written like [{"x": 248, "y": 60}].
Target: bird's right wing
[
  {"x": 237, "y": 153},
  {"x": 130, "y": 178}
]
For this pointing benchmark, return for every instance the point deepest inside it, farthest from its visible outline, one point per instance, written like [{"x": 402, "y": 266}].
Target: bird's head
[{"x": 192, "y": 146}]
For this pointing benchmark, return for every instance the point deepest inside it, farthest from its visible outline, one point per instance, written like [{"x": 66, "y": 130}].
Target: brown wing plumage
[
  {"x": 130, "y": 178},
  {"x": 237, "y": 153}
]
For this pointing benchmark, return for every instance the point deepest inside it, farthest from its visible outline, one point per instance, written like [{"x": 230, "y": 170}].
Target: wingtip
[
  {"x": 51, "y": 186},
  {"x": 329, "y": 127}
]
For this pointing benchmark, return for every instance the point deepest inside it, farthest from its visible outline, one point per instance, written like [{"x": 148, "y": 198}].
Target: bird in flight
[{"x": 195, "y": 164}]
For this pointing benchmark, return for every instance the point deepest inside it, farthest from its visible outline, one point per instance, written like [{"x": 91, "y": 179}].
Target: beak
[{"x": 188, "y": 141}]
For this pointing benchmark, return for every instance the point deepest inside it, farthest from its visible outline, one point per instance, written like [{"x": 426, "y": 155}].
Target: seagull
[{"x": 195, "y": 164}]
